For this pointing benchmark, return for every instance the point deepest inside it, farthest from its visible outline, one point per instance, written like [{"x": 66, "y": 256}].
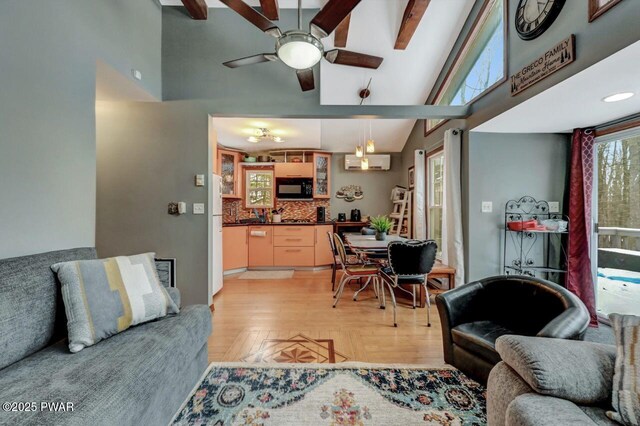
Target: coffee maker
[{"x": 355, "y": 215}]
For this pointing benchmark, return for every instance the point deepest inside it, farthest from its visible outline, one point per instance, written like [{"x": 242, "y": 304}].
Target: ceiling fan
[{"x": 300, "y": 49}]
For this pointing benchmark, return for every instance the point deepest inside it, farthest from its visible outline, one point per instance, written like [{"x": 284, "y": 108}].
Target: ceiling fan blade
[
  {"x": 250, "y": 60},
  {"x": 253, "y": 16},
  {"x": 305, "y": 77},
  {"x": 331, "y": 15},
  {"x": 353, "y": 59}
]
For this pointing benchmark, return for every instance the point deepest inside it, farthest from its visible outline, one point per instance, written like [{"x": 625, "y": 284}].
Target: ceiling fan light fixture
[{"x": 299, "y": 50}]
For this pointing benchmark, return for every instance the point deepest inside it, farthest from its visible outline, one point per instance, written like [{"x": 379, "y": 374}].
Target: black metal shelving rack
[{"x": 522, "y": 253}]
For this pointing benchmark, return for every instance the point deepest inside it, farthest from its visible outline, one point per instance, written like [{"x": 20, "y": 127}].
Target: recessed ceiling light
[{"x": 618, "y": 97}]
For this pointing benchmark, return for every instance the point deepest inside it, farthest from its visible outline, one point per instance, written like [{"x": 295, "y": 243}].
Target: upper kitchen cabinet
[
  {"x": 294, "y": 170},
  {"x": 321, "y": 175},
  {"x": 229, "y": 169},
  {"x": 259, "y": 189}
]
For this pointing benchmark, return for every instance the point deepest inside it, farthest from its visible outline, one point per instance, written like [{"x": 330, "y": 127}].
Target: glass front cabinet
[
  {"x": 228, "y": 167},
  {"x": 321, "y": 175}
]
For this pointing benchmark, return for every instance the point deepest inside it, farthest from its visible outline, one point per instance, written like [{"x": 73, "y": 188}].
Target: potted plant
[{"x": 382, "y": 225}]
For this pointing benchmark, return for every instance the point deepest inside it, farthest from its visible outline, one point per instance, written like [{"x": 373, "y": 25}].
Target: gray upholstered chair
[{"x": 544, "y": 381}]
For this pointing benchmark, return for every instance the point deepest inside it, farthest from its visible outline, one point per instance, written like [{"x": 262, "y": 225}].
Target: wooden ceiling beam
[
  {"x": 413, "y": 14},
  {"x": 270, "y": 9},
  {"x": 342, "y": 32},
  {"x": 197, "y": 9}
]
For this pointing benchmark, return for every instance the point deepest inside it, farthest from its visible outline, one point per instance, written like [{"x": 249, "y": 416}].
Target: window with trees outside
[
  {"x": 435, "y": 198},
  {"x": 480, "y": 63},
  {"x": 259, "y": 189},
  {"x": 617, "y": 213}
]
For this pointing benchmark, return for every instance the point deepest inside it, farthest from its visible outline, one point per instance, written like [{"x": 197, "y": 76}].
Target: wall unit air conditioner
[{"x": 376, "y": 162}]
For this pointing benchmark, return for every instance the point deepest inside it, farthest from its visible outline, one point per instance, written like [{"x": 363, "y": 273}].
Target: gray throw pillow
[
  {"x": 626, "y": 379},
  {"x": 106, "y": 296}
]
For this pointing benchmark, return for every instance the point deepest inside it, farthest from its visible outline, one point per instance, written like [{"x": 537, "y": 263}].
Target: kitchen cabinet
[
  {"x": 260, "y": 246},
  {"x": 321, "y": 175},
  {"x": 323, "y": 254},
  {"x": 229, "y": 169},
  {"x": 235, "y": 247},
  {"x": 259, "y": 187},
  {"x": 293, "y": 170}
]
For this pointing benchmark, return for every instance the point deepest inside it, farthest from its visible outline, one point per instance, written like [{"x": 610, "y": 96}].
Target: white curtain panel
[
  {"x": 419, "y": 194},
  {"x": 452, "y": 240}
]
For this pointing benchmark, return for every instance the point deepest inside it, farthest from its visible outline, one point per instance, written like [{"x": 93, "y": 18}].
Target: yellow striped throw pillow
[{"x": 106, "y": 296}]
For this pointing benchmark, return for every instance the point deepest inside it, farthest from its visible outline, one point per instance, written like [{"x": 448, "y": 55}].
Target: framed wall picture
[
  {"x": 598, "y": 7},
  {"x": 166, "y": 271},
  {"x": 412, "y": 177}
]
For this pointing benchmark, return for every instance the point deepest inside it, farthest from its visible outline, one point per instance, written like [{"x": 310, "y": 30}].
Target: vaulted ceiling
[{"x": 424, "y": 33}]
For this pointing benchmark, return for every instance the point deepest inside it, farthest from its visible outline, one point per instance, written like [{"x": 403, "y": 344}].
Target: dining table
[{"x": 368, "y": 243}]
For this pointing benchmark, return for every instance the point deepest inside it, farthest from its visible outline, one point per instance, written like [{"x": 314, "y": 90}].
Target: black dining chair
[{"x": 409, "y": 262}]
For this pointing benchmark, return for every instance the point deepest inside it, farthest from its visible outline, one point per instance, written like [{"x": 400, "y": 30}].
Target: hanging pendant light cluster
[{"x": 368, "y": 145}]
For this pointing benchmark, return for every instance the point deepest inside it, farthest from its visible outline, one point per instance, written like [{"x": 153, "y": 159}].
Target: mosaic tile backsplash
[{"x": 305, "y": 210}]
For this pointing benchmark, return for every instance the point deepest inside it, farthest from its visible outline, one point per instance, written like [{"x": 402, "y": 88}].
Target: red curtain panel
[{"x": 580, "y": 278}]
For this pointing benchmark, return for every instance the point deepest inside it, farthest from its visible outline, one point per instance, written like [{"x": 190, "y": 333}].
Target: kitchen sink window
[
  {"x": 259, "y": 189},
  {"x": 435, "y": 197}
]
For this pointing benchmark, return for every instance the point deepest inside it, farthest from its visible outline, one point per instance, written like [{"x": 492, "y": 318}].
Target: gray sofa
[
  {"x": 138, "y": 377},
  {"x": 544, "y": 381}
]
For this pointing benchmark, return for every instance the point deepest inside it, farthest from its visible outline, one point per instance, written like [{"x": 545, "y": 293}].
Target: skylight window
[{"x": 480, "y": 63}]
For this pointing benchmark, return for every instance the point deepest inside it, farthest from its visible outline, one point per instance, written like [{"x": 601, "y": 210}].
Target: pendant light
[
  {"x": 359, "y": 150},
  {"x": 371, "y": 146},
  {"x": 364, "y": 162}
]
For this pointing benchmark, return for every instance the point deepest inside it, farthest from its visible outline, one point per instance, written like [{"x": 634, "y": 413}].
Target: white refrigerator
[{"x": 216, "y": 229}]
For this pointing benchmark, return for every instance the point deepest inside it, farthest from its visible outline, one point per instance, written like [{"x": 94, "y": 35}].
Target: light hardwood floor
[{"x": 250, "y": 311}]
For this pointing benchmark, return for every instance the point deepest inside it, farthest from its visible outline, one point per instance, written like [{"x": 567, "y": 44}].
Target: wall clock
[{"x": 533, "y": 17}]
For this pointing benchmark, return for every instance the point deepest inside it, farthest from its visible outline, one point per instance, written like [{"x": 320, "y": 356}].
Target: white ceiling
[
  {"x": 335, "y": 135},
  {"x": 406, "y": 77},
  {"x": 577, "y": 101}
]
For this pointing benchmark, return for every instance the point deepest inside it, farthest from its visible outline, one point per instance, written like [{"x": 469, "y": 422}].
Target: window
[
  {"x": 480, "y": 63},
  {"x": 259, "y": 189},
  {"x": 435, "y": 198},
  {"x": 616, "y": 210}
]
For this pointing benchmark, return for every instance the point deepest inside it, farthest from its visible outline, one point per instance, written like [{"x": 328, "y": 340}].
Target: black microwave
[{"x": 294, "y": 188}]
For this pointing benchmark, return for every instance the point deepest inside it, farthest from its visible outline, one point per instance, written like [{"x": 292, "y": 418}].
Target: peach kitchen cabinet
[
  {"x": 293, "y": 245},
  {"x": 229, "y": 169},
  {"x": 293, "y": 170},
  {"x": 323, "y": 254},
  {"x": 321, "y": 175},
  {"x": 260, "y": 246},
  {"x": 235, "y": 247}
]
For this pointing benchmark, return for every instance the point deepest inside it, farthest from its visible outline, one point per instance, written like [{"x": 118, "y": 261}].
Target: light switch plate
[
  {"x": 554, "y": 207},
  {"x": 487, "y": 206},
  {"x": 198, "y": 208},
  {"x": 199, "y": 180}
]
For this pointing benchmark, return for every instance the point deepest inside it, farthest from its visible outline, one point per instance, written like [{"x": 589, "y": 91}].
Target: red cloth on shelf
[{"x": 579, "y": 276}]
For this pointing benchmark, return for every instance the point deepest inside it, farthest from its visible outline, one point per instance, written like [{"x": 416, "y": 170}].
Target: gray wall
[
  {"x": 49, "y": 51},
  {"x": 505, "y": 167},
  {"x": 376, "y": 184},
  {"x": 594, "y": 42},
  {"x": 148, "y": 154}
]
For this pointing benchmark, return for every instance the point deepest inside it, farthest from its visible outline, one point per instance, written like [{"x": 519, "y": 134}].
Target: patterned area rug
[
  {"x": 341, "y": 394},
  {"x": 298, "y": 349}
]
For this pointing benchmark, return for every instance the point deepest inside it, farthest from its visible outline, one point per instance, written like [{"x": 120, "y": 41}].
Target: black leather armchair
[{"x": 474, "y": 315}]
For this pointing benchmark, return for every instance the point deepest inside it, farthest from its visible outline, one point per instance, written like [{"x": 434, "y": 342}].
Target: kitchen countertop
[{"x": 229, "y": 224}]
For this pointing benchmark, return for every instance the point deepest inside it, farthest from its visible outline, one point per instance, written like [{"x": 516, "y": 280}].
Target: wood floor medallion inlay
[{"x": 297, "y": 349}]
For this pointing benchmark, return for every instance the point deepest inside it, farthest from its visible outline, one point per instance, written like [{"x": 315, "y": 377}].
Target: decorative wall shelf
[{"x": 534, "y": 252}]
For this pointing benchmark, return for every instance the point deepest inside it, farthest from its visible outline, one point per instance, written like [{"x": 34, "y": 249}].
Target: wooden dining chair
[
  {"x": 409, "y": 264},
  {"x": 351, "y": 260},
  {"x": 352, "y": 272}
]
